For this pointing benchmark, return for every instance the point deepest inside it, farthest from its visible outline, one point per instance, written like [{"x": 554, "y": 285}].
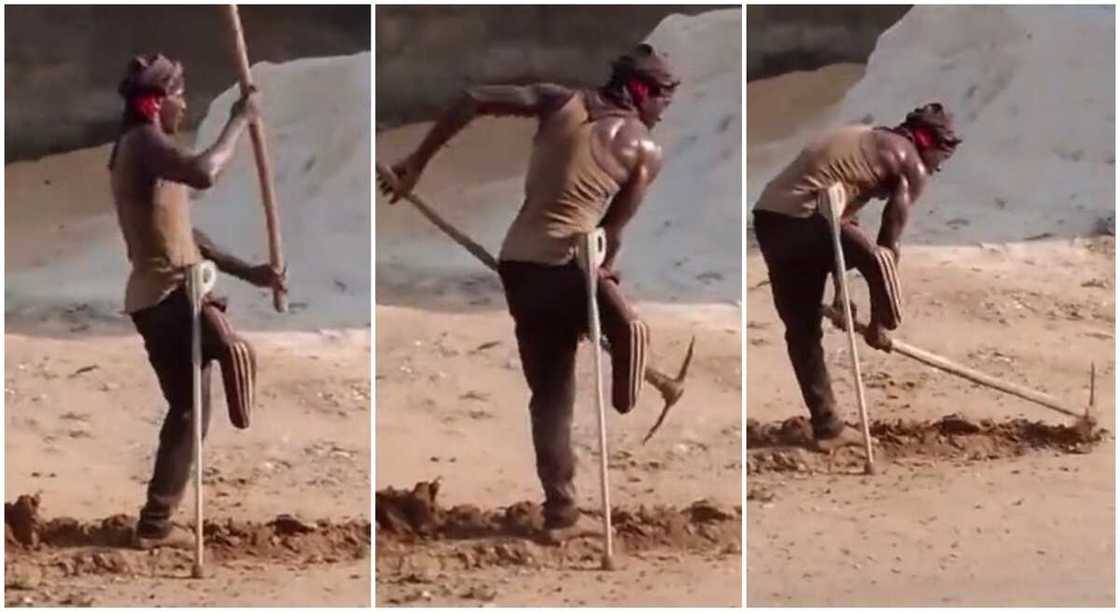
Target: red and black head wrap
[
  {"x": 638, "y": 74},
  {"x": 147, "y": 81},
  {"x": 930, "y": 126}
]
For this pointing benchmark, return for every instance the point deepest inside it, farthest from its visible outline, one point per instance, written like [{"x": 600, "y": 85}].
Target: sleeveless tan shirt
[
  {"x": 566, "y": 191},
  {"x": 154, "y": 215},
  {"x": 835, "y": 157}
]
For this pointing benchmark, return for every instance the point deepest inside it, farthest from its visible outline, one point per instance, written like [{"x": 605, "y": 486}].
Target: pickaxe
[{"x": 946, "y": 365}]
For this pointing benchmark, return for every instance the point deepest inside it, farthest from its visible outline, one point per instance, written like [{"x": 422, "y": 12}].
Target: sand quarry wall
[
  {"x": 684, "y": 244},
  {"x": 1033, "y": 92},
  {"x": 63, "y": 63},
  {"x": 317, "y": 115},
  {"x": 784, "y": 38},
  {"x": 426, "y": 54}
]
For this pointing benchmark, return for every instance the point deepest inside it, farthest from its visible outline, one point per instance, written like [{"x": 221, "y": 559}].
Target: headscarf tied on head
[
  {"x": 929, "y": 126},
  {"x": 635, "y": 74},
  {"x": 147, "y": 81}
]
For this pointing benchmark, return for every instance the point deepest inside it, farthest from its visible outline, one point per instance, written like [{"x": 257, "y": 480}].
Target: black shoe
[
  {"x": 845, "y": 437},
  {"x": 146, "y": 537},
  {"x": 581, "y": 527},
  {"x": 559, "y": 518}
]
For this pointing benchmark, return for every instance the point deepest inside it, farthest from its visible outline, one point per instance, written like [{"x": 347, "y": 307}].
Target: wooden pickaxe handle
[
  {"x": 386, "y": 174},
  {"x": 260, "y": 152},
  {"x": 946, "y": 365}
]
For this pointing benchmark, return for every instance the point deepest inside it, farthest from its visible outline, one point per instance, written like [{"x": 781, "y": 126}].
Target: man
[
  {"x": 593, "y": 161},
  {"x": 150, "y": 175},
  {"x": 893, "y": 164}
]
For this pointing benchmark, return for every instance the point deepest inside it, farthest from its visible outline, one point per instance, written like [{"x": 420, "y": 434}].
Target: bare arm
[
  {"x": 647, "y": 160},
  {"x": 164, "y": 159},
  {"x": 225, "y": 261},
  {"x": 537, "y": 100},
  {"x": 262, "y": 275},
  {"x": 494, "y": 100}
]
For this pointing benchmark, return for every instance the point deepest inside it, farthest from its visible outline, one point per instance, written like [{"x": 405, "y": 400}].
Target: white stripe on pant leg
[
  {"x": 632, "y": 339},
  {"x": 637, "y": 358},
  {"x": 890, "y": 283},
  {"x": 245, "y": 377},
  {"x": 242, "y": 391},
  {"x": 238, "y": 359},
  {"x": 896, "y": 285}
]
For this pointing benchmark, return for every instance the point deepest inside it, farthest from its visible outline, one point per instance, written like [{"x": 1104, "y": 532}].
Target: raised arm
[
  {"x": 646, "y": 158},
  {"x": 165, "y": 159},
  {"x": 537, "y": 100}
]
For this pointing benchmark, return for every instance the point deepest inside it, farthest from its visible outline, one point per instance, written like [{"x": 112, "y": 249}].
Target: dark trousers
[
  {"x": 166, "y": 329},
  {"x": 799, "y": 256},
  {"x": 549, "y": 308}
]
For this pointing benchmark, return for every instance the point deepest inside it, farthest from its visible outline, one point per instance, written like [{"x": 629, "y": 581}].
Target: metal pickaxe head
[{"x": 671, "y": 389}]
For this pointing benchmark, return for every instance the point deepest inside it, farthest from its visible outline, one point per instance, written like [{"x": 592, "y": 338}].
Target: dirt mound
[
  {"x": 415, "y": 533},
  {"x": 778, "y": 447},
  {"x": 67, "y": 546}
]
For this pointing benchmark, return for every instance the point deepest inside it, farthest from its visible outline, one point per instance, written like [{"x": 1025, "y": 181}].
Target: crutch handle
[
  {"x": 203, "y": 277},
  {"x": 592, "y": 250}
]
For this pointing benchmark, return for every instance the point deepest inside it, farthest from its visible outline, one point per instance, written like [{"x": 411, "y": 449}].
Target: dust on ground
[
  {"x": 424, "y": 547},
  {"x": 46, "y": 557},
  {"x": 781, "y": 446}
]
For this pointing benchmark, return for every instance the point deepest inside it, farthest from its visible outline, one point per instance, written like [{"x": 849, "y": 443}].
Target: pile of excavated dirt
[
  {"x": 780, "y": 446},
  {"x": 414, "y": 530},
  {"x": 66, "y": 546}
]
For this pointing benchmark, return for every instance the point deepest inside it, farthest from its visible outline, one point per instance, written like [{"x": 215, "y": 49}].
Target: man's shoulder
[
  {"x": 144, "y": 137},
  {"x": 895, "y": 154},
  {"x": 842, "y": 132},
  {"x": 631, "y": 134}
]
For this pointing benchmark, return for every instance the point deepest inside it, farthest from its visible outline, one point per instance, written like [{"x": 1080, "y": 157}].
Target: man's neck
[{"x": 608, "y": 102}]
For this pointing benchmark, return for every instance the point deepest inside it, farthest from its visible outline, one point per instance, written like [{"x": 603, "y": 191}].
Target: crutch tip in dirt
[
  {"x": 822, "y": 191},
  {"x": 593, "y": 161},
  {"x": 150, "y": 175}
]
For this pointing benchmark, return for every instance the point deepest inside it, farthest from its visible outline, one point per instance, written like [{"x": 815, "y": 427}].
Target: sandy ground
[
  {"x": 84, "y": 440},
  {"x": 1034, "y": 530},
  {"x": 449, "y": 388}
]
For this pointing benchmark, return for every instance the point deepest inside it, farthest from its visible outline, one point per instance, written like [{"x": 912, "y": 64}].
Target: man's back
[
  {"x": 838, "y": 156},
  {"x": 569, "y": 185}
]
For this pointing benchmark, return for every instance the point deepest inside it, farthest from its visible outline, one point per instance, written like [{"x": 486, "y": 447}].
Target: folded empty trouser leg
[
  {"x": 877, "y": 266},
  {"x": 237, "y": 359},
  {"x": 629, "y": 345}
]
